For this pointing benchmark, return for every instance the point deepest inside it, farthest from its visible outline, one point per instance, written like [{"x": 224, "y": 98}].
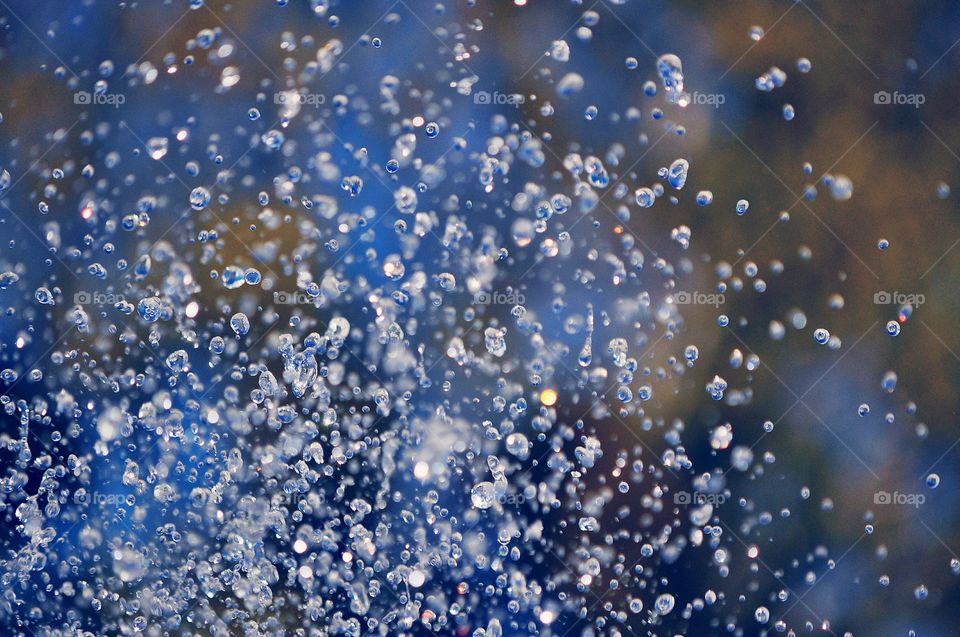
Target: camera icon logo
[
  {"x": 82, "y": 98},
  {"x": 482, "y": 298},
  {"x": 481, "y": 97},
  {"x": 82, "y": 298},
  {"x": 682, "y": 497},
  {"x": 882, "y": 497},
  {"x": 882, "y": 97},
  {"x": 883, "y": 298}
]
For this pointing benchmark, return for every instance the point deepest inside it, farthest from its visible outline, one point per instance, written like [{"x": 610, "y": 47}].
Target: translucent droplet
[
  {"x": 199, "y": 198},
  {"x": 671, "y": 74},
  {"x": 677, "y": 174}
]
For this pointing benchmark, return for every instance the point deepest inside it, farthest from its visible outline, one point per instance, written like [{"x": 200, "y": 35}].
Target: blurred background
[{"x": 823, "y": 462}]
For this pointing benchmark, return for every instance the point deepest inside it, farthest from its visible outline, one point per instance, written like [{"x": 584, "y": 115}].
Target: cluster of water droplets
[{"x": 320, "y": 384}]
